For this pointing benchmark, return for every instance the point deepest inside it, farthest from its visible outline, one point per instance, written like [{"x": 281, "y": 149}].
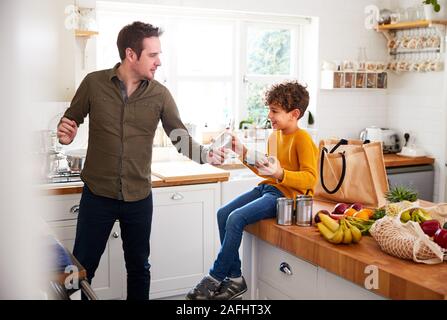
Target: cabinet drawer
[
  {"x": 300, "y": 284},
  {"x": 64, "y": 207},
  {"x": 173, "y": 196}
]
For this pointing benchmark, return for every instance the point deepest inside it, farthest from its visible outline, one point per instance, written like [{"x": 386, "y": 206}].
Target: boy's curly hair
[{"x": 288, "y": 95}]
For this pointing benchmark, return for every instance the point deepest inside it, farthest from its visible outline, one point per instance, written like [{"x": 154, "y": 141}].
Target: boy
[{"x": 291, "y": 169}]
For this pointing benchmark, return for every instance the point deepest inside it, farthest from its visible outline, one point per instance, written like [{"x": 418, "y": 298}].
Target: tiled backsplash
[{"x": 344, "y": 114}]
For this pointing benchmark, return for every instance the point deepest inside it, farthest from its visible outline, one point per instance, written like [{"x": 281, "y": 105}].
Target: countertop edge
[{"x": 61, "y": 189}]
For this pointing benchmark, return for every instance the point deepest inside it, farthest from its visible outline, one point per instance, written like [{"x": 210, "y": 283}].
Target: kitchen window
[{"x": 216, "y": 63}]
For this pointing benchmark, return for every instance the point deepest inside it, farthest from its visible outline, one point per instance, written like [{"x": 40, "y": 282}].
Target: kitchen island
[{"x": 397, "y": 278}]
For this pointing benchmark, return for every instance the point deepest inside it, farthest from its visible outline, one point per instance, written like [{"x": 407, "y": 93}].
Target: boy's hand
[
  {"x": 66, "y": 131},
  {"x": 216, "y": 156},
  {"x": 237, "y": 146},
  {"x": 272, "y": 168}
]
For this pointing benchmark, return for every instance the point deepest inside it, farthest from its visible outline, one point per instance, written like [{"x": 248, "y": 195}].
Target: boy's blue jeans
[{"x": 250, "y": 207}]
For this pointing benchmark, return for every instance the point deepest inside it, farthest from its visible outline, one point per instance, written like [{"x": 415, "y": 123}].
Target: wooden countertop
[
  {"x": 393, "y": 160},
  {"x": 398, "y": 279},
  {"x": 183, "y": 173}
]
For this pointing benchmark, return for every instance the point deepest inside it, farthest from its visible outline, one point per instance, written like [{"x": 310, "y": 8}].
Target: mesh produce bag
[
  {"x": 438, "y": 212},
  {"x": 406, "y": 240}
]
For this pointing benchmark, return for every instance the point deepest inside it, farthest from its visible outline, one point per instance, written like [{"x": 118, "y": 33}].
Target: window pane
[
  {"x": 268, "y": 51},
  {"x": 205, "y": 102},
  {"x": 204, "y": 49},
  {"x": 257, "y": 111}
]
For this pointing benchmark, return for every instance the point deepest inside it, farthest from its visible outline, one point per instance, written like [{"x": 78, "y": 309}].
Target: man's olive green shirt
[{"x": 121, "y": 133}]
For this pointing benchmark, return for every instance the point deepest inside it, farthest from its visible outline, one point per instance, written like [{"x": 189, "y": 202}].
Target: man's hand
[
  {"x": 216, "y": 156},
  {"x": 272, "y": 168},
  {"x": 66, "y": 131},
  {"x": 237, "y": 146}
]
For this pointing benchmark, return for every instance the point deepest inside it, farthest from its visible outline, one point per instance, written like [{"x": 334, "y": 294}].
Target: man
[{"x": 124, "y": 105}]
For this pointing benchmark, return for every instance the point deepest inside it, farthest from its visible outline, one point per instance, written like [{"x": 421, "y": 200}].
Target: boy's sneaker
[
  {"x": 230, "y": 289},
  {"x": 205, "y": 290}
]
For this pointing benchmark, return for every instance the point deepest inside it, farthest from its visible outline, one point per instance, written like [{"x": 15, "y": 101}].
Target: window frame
[
  {"x": 246, "y": 78},
  {"x": 240, "y": 21}
]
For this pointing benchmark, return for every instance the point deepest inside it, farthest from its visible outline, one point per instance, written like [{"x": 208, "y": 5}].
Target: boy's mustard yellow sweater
[{"x": 297, "y": 155}]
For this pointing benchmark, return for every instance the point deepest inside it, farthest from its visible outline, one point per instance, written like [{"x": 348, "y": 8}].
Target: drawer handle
[
  {"x": 115, "y": 235},
  {"x": 177, "y": 196},
  {"x": 74, "y": 209},
  {"x": 285, "y": 268}
]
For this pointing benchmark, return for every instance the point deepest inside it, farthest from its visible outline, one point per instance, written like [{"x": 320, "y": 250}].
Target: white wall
[
  {"x": 341, "y": 31},
  {"x": 417, "y": 104}
]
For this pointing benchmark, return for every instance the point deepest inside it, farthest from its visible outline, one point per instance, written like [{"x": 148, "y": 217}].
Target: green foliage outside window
[{"x": 269, "y": 54}]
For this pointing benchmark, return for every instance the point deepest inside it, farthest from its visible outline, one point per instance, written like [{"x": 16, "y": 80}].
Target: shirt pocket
[
  {"x": 105, "y": 110},
  {"x": 145, "y": 117}
]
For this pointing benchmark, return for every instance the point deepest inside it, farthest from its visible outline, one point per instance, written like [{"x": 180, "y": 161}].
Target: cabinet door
[
  {"x": 181, "y": 238},
  {"x": 108, "y": 280}
]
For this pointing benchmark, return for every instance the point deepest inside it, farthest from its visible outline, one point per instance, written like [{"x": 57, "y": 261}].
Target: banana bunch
[
  {"x": 334, "y": 232},
  {"x": 361, "y": 224},
  {"x": 415, "y": 214}
]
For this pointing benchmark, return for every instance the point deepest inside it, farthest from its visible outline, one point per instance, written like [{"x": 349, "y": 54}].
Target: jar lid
[
  {"x": 284, "y": 200},
  {"x": 303, "y": 197}
]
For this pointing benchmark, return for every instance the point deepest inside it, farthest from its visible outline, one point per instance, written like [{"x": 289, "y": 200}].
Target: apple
[
  {"x": 430, "y": 227},
  {"x": 317, "y": 218},
  {"x": 441, "y": 238},
  {"x": 336, "y": 216},
  {"x": 340, "y": 208},
  {"x": 357, "y": 206}
]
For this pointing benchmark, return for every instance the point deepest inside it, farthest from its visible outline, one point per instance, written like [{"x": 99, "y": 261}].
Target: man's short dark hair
[
  {"x": 288, "y": 95},
  {"x": 132, "y": 36}
]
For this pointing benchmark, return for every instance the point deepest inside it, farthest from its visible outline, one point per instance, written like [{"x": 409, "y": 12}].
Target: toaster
[{"x": 391, "y": 141}]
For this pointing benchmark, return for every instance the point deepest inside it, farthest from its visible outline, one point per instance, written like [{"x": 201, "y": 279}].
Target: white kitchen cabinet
[
  {"x": 305, "y": 280},
  {"x": 182, "y": 236},
  {"x": 182, "y": 240},
  {"x": 107, "y": 282}
]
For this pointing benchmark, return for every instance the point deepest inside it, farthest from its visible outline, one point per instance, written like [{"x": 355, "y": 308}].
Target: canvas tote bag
[{"x": 351, "y": 171}]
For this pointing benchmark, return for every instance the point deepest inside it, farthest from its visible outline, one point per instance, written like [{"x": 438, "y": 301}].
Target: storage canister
[
  {"x": 284, "y": 211},
  {"x": 304, "y": 210}
]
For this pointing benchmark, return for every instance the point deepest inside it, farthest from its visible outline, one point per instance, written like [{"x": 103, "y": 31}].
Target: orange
[
  {"x": 350, "y": 212},
  {"x": 370, "y": 212},
  {"x": 362, "y": 214}
]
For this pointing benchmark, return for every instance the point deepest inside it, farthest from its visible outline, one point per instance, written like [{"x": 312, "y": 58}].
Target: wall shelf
[
  {"x": 357, "y": 80},
  {"x": 410, "y": 25},
  {"x": 415, "y": 45},
  {"x": 85, "y": 33},
  {"x": 83, "y": 36}
]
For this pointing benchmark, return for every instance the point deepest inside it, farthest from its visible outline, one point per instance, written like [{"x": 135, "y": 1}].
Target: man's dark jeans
[{"x": 95, "y": 221}]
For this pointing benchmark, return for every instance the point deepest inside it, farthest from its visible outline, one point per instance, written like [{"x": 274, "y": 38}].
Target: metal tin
[
  {"x": 284, "y": 211},
  {"x": 304, "y": 205}
]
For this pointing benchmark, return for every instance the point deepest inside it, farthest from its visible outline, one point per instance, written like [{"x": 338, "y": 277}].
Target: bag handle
[{"x": 343, "y": 170}]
